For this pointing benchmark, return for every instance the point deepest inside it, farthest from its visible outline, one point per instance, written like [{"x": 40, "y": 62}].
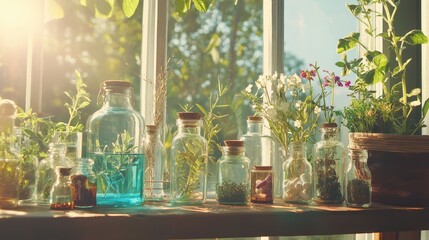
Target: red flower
[{"x": 347, "y": 84}]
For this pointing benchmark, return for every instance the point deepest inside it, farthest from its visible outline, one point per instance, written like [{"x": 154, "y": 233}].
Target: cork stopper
[
  {"x": 234, "y": 143},
  {"x": 189, "y": 116},
  {"x": 150, "y": 128},
  {"x": 262, "y": 168},
  {"x": 329, "y": 125},
  {"x": 64, "y": 171},
  {"x": 254, "y": 118},
  {"x": 116, "y": 83},
  {"x": 7, "y": 108}
]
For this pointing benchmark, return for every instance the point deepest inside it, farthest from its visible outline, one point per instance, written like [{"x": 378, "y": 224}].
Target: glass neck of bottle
[
  {"x": 358, "y": 155},
  {"x": 189, "y": 126},
  {"x": 7, "y": 125},
  {"x": 118, "y": 99},
  {"x": 57, "y": 151},
  {"x": 254, "y": 127},
  {"x": 234, "y": 151},
  {"x": 62, "y": 178},
  {"x": 298, "y": 150},
  {"x": 329, "y": 133}
]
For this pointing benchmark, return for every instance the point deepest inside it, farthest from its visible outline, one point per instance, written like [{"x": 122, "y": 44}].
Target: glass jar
[
  {"x": 297, "y": 181},
  {"x": 83, "y": 184},
  {"x": 114, "y": 142},
  {"x": 262, "y": 150},
  {"x": 358, "y": 179},
  {"x": 261, "y": 184},
  {"x": 45, "y": 174},
  {"x": 156, "y": 157},
  {"x": 189, "y": 161},
  {"x": 60, "y": 197},
  {"x": 233, "y": 185},
  {"x": 9, "y": 158},
  {"x": 328, "y": 171}
]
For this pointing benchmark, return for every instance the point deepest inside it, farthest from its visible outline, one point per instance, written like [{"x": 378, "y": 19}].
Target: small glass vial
[
  {"x": 60, "y": 193},
  {"x": 83, "y": 184},
  {"x": 156, "y": 157},
  {"x": 45, "y": 173},
  {"x": 234, "y": 175},
  {"x": 189, "y": 161},
  {"x": 297, "y": 182},
  {"x": 262, "y": 184},
  {"x": 328, "y": 172},
  {"x": 358, "y": 179}
]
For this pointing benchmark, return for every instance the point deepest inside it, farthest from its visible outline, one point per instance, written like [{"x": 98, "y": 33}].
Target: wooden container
[{"x": 399, "y": 166}]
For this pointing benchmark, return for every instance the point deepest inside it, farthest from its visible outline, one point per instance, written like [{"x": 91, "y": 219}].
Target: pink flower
[
  {"x": 340, "y": 84},
  {"x": 303, "y": 74},
  {"x": 307, "y": 74},
  {"x": 347, "y": 84}
]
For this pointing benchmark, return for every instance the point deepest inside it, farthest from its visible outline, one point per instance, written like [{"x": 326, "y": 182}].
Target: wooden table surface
[{"x": 162, "y": 220}]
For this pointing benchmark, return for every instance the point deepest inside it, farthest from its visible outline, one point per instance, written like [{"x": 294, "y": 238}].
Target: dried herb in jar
[
  {"x": 358, "y": 192},
  {"x": 230, "y": 192}
]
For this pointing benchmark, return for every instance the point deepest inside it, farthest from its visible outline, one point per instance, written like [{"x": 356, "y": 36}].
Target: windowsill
[{"x": 155, "y": 221}]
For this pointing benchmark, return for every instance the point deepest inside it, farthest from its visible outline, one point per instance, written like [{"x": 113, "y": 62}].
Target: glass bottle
[
  {"x": 358, "y": 179},
  {"x": 261, "y": 184},
  {"x": 114, "y": 142},
  {"x": 156, "y": 157},
  {"x": 328, "y": 171},
  {"x": 83, "y": 184},
  {"x": 189, "y": 161},
  {"x": 9, "y": 158},
  {"x": 60, "y": 197},
  {"x": 297, "y": 181},
  {"x": 45, "y": 174},
  {"x": 233, "y": 185},
  {"x": 262, "y": 150}
]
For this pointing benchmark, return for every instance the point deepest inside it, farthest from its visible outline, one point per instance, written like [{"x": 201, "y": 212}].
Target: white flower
[
  {"x": 317, "y": 110},
  {"x": 249, "y": 88},
  {"x": 283, "y": 79},
  {"x": 275, "y": 75},
  {"x": 297, "y": 123},
  {"x": 298, "y": 104},
  {"x": 271, "y": 112},
  {"x": 415, "y": 103}
]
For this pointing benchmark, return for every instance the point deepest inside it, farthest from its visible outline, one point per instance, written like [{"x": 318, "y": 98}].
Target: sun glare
[{"x": 16, "y": 15}]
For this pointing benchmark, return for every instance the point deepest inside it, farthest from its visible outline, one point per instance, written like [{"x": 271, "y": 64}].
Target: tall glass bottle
[
  {"x": 83, "y": 184},
  {"x": 9, "y": 158},
  {"x": 114, "y": 142},
  {"x": 45, "y": 174},
  {"x": 328, "y": 172},
  {"x": 60, "y": 197},
  {"x": 233, "y": 185},
  {"x": 156, "y": 158},
  {"x": 189, "y": 161},
  {"x": 297, "y": 181},
  {"x": 262, "y": 150},
  {"x": 358, "y": 179}
]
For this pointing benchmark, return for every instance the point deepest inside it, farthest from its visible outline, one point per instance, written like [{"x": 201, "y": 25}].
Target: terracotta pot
[{"x": 399, "y": 166}]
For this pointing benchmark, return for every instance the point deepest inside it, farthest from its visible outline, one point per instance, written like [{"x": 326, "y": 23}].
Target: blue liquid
[{"x": 119, "y": 179}]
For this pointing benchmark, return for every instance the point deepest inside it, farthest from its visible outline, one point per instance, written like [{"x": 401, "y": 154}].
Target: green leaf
[
  {"x": 53, "y": 10},
  {"x": 370, "y": 55},
  {"x": 201, "y": 108},
  {"x": 104, "y": 8},
  {"x": 183, "y": 6},
  {"x": 354, "y": 9},
  {"x": 368, "y": 77},
  {"x": 348, "y": 42},
  {"x": 340, "y": 64},
  {"x": 380, "y": 61},
  {"x": 378, "y": 76},
  {"x": 414, "y": 92},
  {"x": 425, "y": 108},
  {"x": 415, "y": 37},
  {"x": 129, "y": 7},
  {"x": 202, "y": 5}
]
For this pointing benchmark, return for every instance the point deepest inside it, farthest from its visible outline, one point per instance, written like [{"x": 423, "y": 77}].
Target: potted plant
[{"x": 387, "y": 124}]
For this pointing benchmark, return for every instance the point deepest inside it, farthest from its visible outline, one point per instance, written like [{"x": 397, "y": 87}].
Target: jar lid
[
  {"x": 329, "y": 125},
  {"x": 116, "y": 83},
  {"x": 234, "y": 143},
  {"x": 189, "y": 116},
  {"x": 7, "y": 108},
  {"x": 254, "y": 118},
  {"x": 266, "y": 168}
]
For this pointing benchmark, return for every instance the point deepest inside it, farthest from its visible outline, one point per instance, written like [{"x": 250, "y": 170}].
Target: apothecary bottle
[
  {"x": 233, "y": 186},
  {"x": 261, "y": 184},
  {"x": 45, "y": 174},
  {"x": 297, "y": 183},
  {"x": 329, "y": 167},
  {"x": 156, "y": 158},
  {"x": 60, "y": 197},
  {"x": 358, "y": 179},
  {"x": 83, "y": 184},
  {"x": 114, "y": 141},
  {"x": 189, "y": 161},
  {"x": 9, "y": 158}
]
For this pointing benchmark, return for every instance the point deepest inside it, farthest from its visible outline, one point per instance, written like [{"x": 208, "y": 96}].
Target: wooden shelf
[{"x": 160, "y": 221}]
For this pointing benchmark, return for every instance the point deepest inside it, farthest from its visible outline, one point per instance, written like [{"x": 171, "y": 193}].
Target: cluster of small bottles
[{"x": 124, "y": 167}]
